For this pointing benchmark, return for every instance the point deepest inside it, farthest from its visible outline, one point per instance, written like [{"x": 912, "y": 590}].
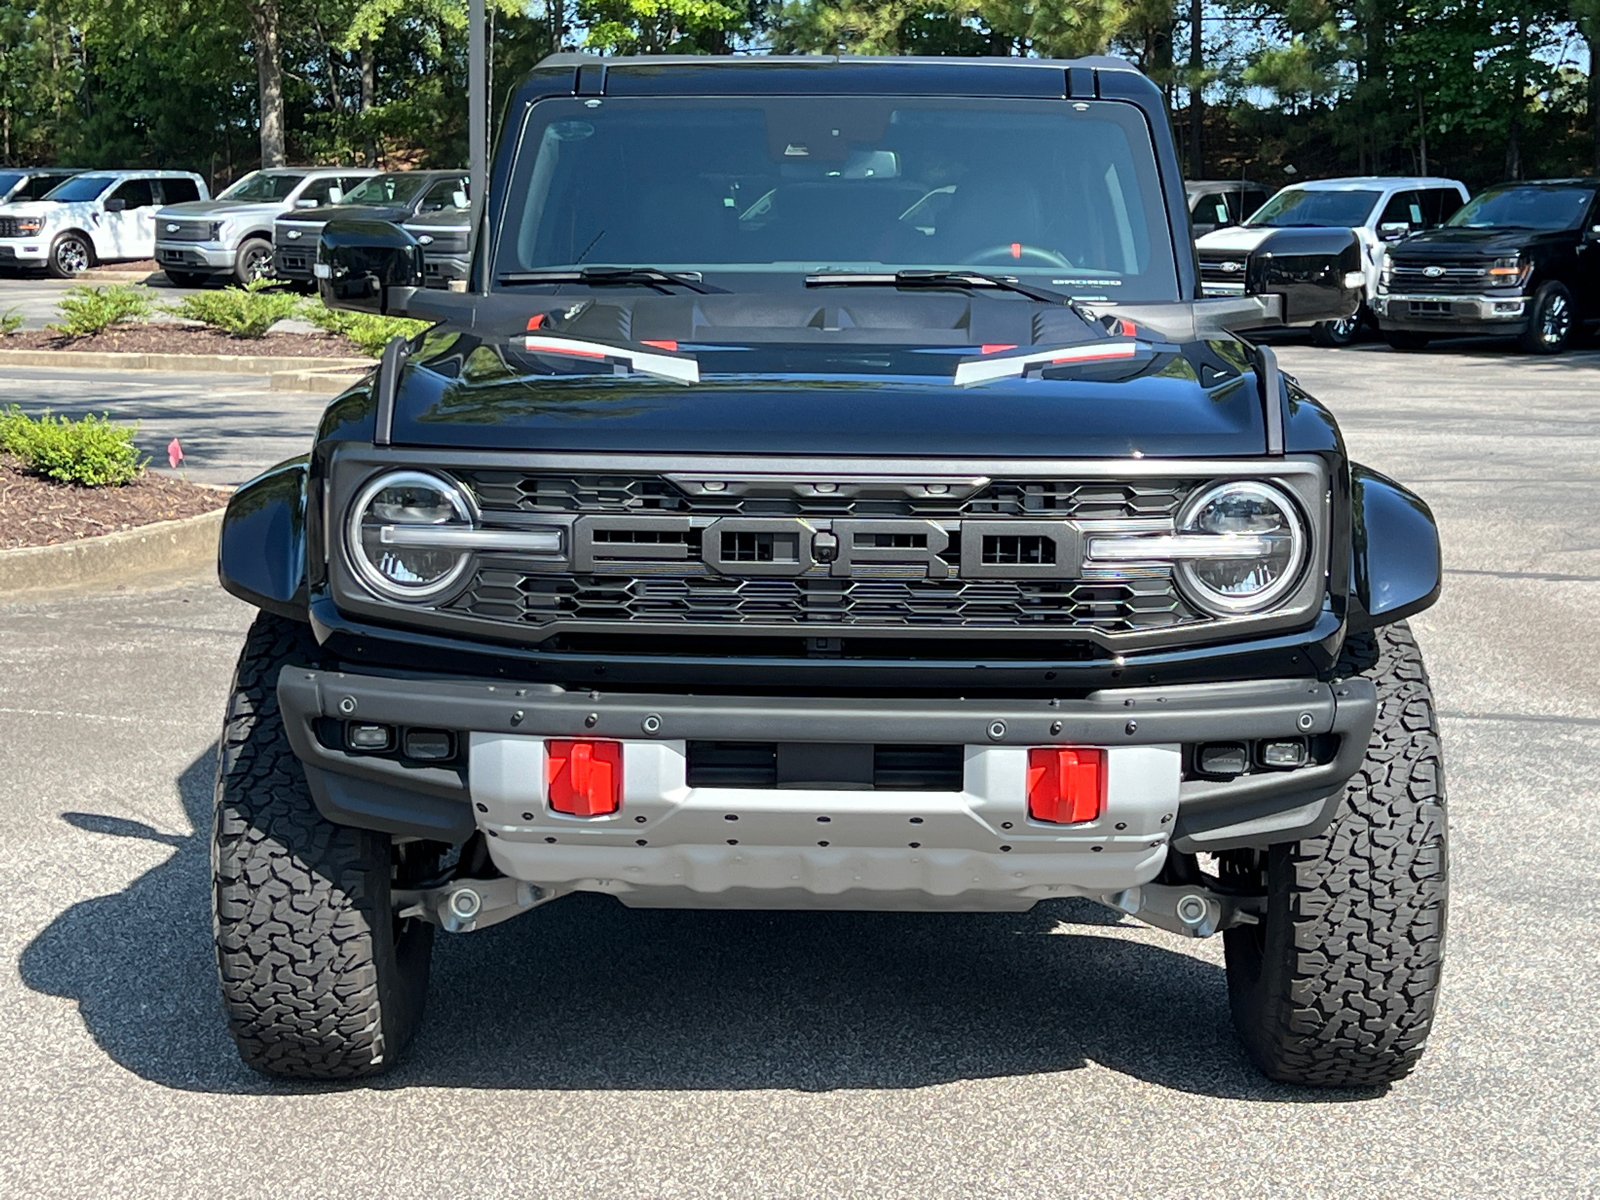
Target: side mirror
[
  {"x": 1393, "y": 231},
  {"x": 335, "y": 195},
  {"x": 1316, "y": 273},
  {"x": 115, "y": 204},
  {"x": 1593, "y": 235},
  {"x": 360, "y": 262},
  {"x": 305, "y": 203}
]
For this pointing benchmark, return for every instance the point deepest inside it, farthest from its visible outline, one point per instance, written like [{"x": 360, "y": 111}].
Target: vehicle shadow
[{"x": 585, "y": 993}]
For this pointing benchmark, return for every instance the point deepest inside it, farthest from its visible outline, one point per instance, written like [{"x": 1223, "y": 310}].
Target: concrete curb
[
  {"x": 209, "y": 364},
  {"x": 165, "y": 547},
  {"x": 325, "y": 382}
]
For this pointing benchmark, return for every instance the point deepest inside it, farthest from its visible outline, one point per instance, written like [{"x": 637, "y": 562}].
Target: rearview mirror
[
  {"x": 359, "y": 263},
  {"x": 1316, "y": 272},
  {"x": 1393, "y": 231},
  {"x": 116, "y": 204}
]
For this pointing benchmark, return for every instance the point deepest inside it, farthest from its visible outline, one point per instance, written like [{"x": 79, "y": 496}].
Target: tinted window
[
  {"x": 1213, "y": 208},
  {"x": 135, "y": 193},
  {"x": 1066, "y": 196},
  {"x": 81, "y": 187},
  {"x": 178, "y": 191},
  {"x": 1440, "y": 204},
  {"x": 36, "y": 188},
  {"x": 321, "y": 190},
  {"x": 1253, "y": 200},
  {"x": 445, "y": 194},
  {"x": 1296, "y": 206},
  {"x": 1526, "y": 208},
  {"x": 263, "y": 186},
  {"x": 9, "y": 180},
  {"x": 1404, "y": 208},
  {"x": 387, "y": 189}
]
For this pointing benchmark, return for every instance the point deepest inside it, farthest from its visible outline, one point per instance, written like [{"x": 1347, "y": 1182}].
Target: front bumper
[
  {"x": 22, "y": 251},
  {"x": 197, "y": 256},
  {"x": 295, "y": 262},
  {"x": 977, "y": 849},
  {"x": 1442, "y": 313},
  {"x": 443, "y": 270}
]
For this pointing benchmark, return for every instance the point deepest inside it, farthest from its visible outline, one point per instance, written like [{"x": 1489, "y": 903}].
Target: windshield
[
  {"x": 1525, "y": 207},
  {"x": 1064, "y": 195},
  {"x": 81, "y": 187},
  {"x": 387, "y": 189},
  {"x": 1297, "y": 206},
  {"x": 263, "y": 185},
  {"x": 9, "y": 180}
]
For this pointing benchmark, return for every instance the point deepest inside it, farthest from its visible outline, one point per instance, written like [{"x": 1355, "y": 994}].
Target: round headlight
[
  {"x": 381, "y": 554},
  {"x": 1261, "y": 548}
]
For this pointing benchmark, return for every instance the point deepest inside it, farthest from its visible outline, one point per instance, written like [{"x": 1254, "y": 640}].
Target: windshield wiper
[
  {"x": 599, "y": 276},
  {"x": 938, "y": 279}
]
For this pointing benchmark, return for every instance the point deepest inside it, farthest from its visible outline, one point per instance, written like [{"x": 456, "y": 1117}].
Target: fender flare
[
  {"x": 261, "y": 554},
  {"x": 1395, "y": 564}
]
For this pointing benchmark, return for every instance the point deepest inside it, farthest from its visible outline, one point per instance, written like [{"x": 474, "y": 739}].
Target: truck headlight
[
  {"x": 1509, "y": 272},
  {"x": 381, "y": 537},
  {"x": 1386, "y": 276},
  {"x": 216, "y": 230},
  {"x": 28, "y": 226},
  {"x": 1258, "y": 546}
]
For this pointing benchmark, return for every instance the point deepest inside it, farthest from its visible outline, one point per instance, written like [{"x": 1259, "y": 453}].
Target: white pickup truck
[
  {"x": 92, "y": 218},
  {"x": 1379, "y": 208}
]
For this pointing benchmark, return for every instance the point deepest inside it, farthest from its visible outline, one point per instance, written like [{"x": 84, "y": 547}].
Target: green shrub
[
  {"x": 91, "y": 452},
  {"x": 371, "y": 333},
  {"x": 10, "y": 322},
  {"x": 91, "y": 310},
  {"x": 246, "y": 312}
]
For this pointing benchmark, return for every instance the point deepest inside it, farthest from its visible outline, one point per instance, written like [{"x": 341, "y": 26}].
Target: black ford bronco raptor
[{"x": 832, "y": 491}]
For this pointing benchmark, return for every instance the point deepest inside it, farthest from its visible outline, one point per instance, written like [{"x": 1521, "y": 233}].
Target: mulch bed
[
  {"x": 35, "y": 511},
  {"x": 185, "y": 339}
]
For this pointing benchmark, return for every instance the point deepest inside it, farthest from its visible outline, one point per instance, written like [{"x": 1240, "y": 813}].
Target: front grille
[
  {"x": 646, "y": 551},
  {"x": 186, "y": 231},
  {"x": 1097, "y": 500},
  {"x": 1111, "y": 606},
  {"x": 1223, "y": 273},
  {"x": 884, "y": 768},
  {"x": 1459, "y": 277},
  {"x": 8, "y": 228}
]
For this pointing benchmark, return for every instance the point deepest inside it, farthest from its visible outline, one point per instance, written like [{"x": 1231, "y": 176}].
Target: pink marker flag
[{"x": 174, "y": 453}]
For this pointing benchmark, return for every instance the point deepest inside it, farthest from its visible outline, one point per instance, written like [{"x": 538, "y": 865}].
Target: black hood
[
  {"x": 483, "y": 393},
  {"x": 349, "y": 212},
  {"x": 1454, "y": 242}
]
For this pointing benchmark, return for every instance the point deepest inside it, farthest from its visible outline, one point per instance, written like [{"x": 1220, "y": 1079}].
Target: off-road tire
[
  {"x": 1337, "y": 988},
  {"x": 1406, "y": 339},
  {"x": 66, "y": 252},
  {"x": 318, "y": 979}
]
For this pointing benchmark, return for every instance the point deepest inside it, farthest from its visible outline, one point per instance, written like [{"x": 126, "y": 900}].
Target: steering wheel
[{"x": 1015, "y": 252}]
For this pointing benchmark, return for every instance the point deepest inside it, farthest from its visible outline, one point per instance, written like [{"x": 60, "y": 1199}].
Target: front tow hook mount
[
  {"x": 1185, "y": 909},
  {"x": 463, "y": 905}
]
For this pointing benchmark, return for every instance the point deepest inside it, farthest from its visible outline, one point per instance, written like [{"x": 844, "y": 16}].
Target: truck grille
[
  {"x": 1223, "y": 274},
  {"x": 1461, "y": 277},
  {"x": 1111, "y": 607},
  {"x": 8, "y": 227},
  {"x": 185, "y": 231},
  {"x": 621, "y": 494},
  {"x": 652, "y": 559}
]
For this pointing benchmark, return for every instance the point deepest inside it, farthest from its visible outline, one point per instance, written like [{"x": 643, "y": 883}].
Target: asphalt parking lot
[{"x": 587, "y": 1050}]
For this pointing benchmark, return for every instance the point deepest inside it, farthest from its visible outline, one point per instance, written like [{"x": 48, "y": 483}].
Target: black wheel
[
  {"x": 253, "y": 262},
  {"x": 1337, "y": 333},
  {"x": 70, "y": 256},
  {"x": 185, "y": 279},
  {"x": 319, "y": 979},
  {"x": 1337, "y": 987},
  {"x": 1405, "y": 339},
  {"x": 1551, "y": 320}
]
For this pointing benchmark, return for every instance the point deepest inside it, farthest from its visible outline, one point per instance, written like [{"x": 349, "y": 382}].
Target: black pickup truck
[
  {"x": 1519, "y": 260},
  {"x": 832, "y": 491}
]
